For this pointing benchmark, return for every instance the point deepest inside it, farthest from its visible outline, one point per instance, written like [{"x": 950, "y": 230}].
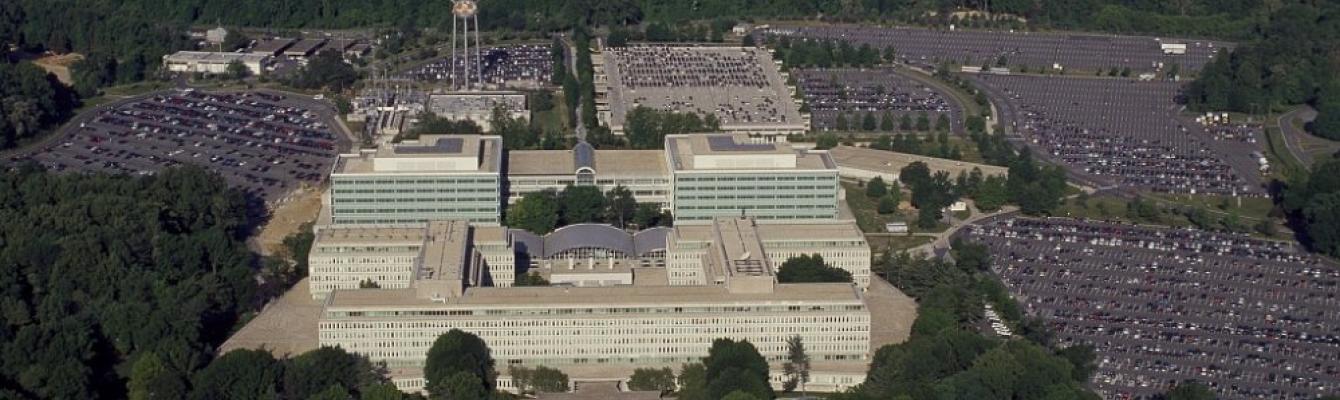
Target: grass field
[
  {"x": 895, "y": 243},
  {"x": 869, "y": 219},
  {"x": 1247, "y": 214},
  {"x": 1278, "y": 154},
  {"x": 554, "y": 119}
]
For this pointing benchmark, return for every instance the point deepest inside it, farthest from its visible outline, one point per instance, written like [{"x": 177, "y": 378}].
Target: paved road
[
  {"x": 1293, "y": 137},
  {"x": 943, "y": 239}
]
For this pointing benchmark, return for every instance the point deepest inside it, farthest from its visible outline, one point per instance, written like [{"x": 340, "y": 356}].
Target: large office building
[
  {"x": 353, "y": 257},
  {"x": 742, "y": 87},
  {"x": 642, "y": 172},
  {"x": 436, "y": 178},
  {"x": 733, "y": 175},
  {"x": 604, "y": 328}
]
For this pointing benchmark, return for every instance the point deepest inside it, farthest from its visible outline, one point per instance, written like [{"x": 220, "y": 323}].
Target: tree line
[
  {"x": 1312, "y": 202},
  {"x": 31, "y": 101}
]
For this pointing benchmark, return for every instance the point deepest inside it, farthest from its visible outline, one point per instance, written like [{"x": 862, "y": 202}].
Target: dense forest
[
  {"x": 30, "y": 101},
  {"x": 103, "y": 271}
]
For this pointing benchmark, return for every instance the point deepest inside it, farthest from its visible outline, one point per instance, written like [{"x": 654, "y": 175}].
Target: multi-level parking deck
[
  {"x": 1250, "y": 318},
  {"x": 264, "y": 143}
]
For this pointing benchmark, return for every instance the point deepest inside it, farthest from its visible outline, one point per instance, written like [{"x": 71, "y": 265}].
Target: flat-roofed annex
[
  {"x": 607, "y": 163},
  {"x": 428, "y": 154}
]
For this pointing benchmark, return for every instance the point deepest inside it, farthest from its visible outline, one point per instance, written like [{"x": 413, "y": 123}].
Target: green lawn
[
  {"x": 1278, "y": 154},
  {"x": 868, "y": 218},
  {"x": 1248, "y": 214},
  {"x": 554, "y": 119}
]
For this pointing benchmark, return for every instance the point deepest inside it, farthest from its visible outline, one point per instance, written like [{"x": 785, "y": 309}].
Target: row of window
[
  {"x": 408, "y": 181},
  {"x": 417, "y": 190},
  {"x": 346, "y": 211},
  {"x": 826, "y": 188},
  {"x": 607, "y": 311},
  {"x": 737, "y": 207},
  {"x": 760, "y": 178}
]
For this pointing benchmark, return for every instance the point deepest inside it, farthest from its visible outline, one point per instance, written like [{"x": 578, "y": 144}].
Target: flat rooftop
[
  {"x": 475, "y": 102},
  {"x": 213, "y": 57},
  {"x": 827, "y": 230},
  {"x": 739, "y": 152},
  {"x": 354, "y": 235},
  {"x": 741, "y": 86},
  {"x": 891, "y": 162},
  {"x": 444, "y": 254},
  {"x": 558, "y": 297},
  {"x": 428, "y": 154},
  {"x": 608, "y": 163}
]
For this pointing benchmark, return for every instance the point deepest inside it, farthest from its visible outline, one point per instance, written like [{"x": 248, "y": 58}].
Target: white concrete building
[
  {"x": 643, "y": 172},
  {"x": 213, "y": 62},
  {"x": 716, "y": 175},
  {"x": 434, "y": 178},
  {"x": 841, "y": 244},
  {"x": 602, "y": 331},
  {"x": 344, "y": 257}
]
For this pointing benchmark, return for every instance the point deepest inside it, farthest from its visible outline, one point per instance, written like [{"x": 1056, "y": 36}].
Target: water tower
[{"x": 465, "y": 15}]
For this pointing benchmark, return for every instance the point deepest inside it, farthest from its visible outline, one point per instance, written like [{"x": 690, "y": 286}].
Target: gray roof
[
  {"x": 584, "y": 156},
  {"x": 590, "y": 236},
  {"x": 651, "y": 239}
]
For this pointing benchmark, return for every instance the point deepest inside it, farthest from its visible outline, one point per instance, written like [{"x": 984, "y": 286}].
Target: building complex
[{"x": 410, "y": 245}]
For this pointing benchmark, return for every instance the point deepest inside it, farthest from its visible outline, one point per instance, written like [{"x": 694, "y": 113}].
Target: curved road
[{"x": 1293, "y": 136}]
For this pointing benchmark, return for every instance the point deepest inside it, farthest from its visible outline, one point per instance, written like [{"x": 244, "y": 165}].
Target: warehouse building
[{"x": 205, "y": 62}]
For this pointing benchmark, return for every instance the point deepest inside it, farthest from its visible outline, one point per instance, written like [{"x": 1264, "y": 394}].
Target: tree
[
  {"x": 942, "y": 123},
  {"x": 842, "y": 123},
  {"x": 459, "y": 385},
  {"x": 1083, "y": 359},
  {"x": 536, "y": 212},
  {"x": 540, "y": 379},
  {"x": 741, "y": 395},
  {"x": 332, "y": 392},
  {"x": 923, "y": 122},
  {"x": 530, "y": 279},
  {"x": 1327, "y": 123},
  {"x": 234, "y": 40},
  {"x": 886, "y": 122},
  {"x": 732, "y": 366},
  {"x": 825, "y": 141},
  {"x": 868, "y": 122},
  {"x": 150, "y": 379},
  {"x": 236, "y": 70},
  {"x": 620, "y": 206},
  {"x": 581, "y": 204},
  {"x": 693, "y": 382},
  {"x": 1188, "y": 391},
  {"x": 458, "y": 352},
  {"x": 238, "y": 374},
  {"x": 810, "y": 268},
  {"x": 326, "y": 70},
  {"x": 646, "y": 128},
  {"x": 652, "y": 379},
  {"x": 905, "y": 122},
  {"x": 876, "y": 188},
  {"x": 650, "y": 214},
  {"x": 797, "y": 366},
  {"x": 312, "y": 372}
]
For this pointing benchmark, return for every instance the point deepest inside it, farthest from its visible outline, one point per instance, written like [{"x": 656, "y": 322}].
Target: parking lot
[
  {"x": 1249, "y": 318},
  {"x": 510, "y": 66},
  {"x": 856, "y": 92},
  {"x": 261, "y": 142},
  {"x": 930, "y": 47},
  {"x": 1124, "y": 132}
]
